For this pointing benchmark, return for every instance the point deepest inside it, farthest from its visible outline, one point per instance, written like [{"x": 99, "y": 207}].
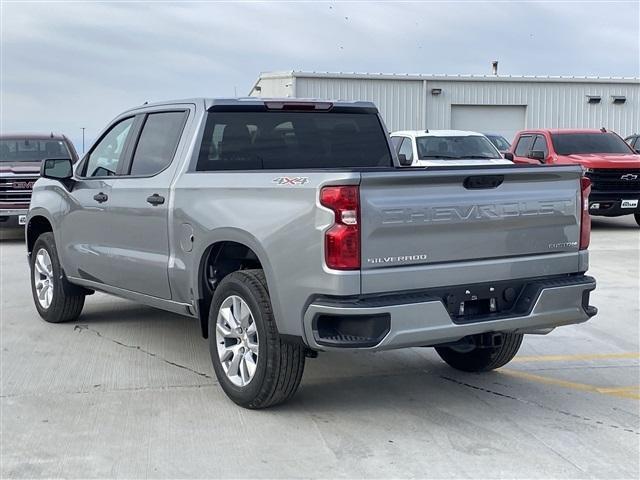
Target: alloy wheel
[
  {"x": 43, "y": 278},
  {"x": 237, "y": 340}
]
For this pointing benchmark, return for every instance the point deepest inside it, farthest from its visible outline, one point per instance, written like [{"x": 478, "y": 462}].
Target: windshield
[
  {"x": 29, "y": 150},
  {"x": 570, "y": 143},
  {"x": 500, "y": 142},
  {"x": 469, "y": 147}
]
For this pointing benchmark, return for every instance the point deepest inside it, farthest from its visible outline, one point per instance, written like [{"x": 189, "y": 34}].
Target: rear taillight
[
  {"x": 585, "y": 220},
  {"x": 342, "y": 240}
]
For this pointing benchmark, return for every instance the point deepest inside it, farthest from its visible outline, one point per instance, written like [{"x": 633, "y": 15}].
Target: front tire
[
  {"x": 482, "y": 359},
  {"x": 56, "y": 300},
  {"x": 637, "y": 217},
  {"x": 255, "y": 367}
]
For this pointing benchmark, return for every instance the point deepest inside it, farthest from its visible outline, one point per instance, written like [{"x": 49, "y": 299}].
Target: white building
[{"x": 491, "y": 103}]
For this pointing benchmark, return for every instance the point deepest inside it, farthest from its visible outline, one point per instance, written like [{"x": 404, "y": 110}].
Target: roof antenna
[
  {"x": 603, "y": 130},
  {"x": 51, "y": 136}
]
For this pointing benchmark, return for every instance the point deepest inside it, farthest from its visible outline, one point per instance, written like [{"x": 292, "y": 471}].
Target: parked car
[
  {"x": 501, "y": 143},
  {"x": 286, "y": 227},
  {"x": 609, "y": 162},
  {"x": 634, "y": 142},
  {"x": 20, "y": 158},
  {"x": 433, "y": 148}
]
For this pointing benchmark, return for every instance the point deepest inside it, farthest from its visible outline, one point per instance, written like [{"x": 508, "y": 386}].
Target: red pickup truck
[{"x": 610, "y": 163}]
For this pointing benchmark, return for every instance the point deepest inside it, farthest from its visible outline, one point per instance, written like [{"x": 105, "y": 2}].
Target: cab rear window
[{"x": 267, "y": 140}]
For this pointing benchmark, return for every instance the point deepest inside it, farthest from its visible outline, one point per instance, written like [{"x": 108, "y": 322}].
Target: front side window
[
  {"x": 32, "y": 150},
  {"x": 396, "y": 141},
  {"x": 104, "y": 158},
  {"x": 258, "y": 140},
  {"x": 455, "y": 147},
  {"x": 406, "y": 149},
  {"x": 540, "y": 144},
  {"x": 524, "y": 146},
  {"x": 576, "y": 143},
  {"x": 158, "y": 142}
]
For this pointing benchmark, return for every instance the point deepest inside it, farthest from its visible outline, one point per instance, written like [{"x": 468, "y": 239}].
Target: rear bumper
[{"x": 421, "y": 319}]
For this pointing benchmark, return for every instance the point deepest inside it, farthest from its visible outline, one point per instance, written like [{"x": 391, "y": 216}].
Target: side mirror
[
  {"x": 508, "y": 156},
  {"x": 56, "y": 168},
  {"x": 60, "y": 169},
  {"x": 404, "y": 161},
  {"x": 537, "y": 155}
]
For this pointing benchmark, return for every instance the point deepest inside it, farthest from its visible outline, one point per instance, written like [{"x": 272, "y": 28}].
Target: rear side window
[
  {"x": 524, "y": 145},
  {"x": 292, "y": 140},
  {"x": 158, "y": 142}
]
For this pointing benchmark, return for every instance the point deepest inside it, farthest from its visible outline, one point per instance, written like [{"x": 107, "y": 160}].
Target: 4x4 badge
[
  {"x": 291, "y": 180},
  {"x": 629, "y": 176}
]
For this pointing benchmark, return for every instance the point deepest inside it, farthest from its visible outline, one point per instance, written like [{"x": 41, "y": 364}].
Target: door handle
[
  {"x": 100, "y": 197},
  {"x": 155, "y": 199}
]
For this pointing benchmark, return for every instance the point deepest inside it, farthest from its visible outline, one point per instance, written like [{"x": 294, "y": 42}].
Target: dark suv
[{"x": 20, "y": 158}]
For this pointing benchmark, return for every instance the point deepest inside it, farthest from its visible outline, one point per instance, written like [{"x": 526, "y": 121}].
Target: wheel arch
[
  {"x": 37, "y": 224},
  {"x": 229, "y": 250}
]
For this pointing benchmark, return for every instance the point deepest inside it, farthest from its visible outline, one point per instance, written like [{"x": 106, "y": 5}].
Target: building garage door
[{"x": 505, "y": 120}]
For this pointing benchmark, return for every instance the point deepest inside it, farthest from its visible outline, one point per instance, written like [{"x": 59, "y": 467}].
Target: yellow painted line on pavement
[
  {"x": 569, "y": 358},
  {"x": 635, "y": 388},
  {"x": 623, "y": 392}
]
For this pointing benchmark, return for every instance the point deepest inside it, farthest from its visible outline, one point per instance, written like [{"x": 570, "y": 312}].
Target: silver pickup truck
[{"x": 285, "y": 228}]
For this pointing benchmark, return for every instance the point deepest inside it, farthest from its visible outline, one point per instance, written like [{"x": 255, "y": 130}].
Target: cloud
[{"x": 69, "y": 65}]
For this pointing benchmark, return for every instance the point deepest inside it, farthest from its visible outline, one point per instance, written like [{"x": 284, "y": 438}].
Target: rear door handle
[
  {"x": 100, "y": 197},
  {"x": 155, "y": 199}
]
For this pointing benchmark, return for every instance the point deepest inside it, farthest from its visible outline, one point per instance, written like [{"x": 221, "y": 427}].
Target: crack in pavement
[
  {"x": 82, "y": 328},
  {"x": 539, "y": 405},
  {"x": 97, "y": 389}
]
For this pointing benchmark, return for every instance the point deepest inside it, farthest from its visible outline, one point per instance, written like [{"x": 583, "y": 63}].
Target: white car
[{"x": 434, "y": 148}]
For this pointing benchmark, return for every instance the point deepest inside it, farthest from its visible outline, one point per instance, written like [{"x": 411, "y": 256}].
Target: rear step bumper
[{"x": 423, "y": 318}]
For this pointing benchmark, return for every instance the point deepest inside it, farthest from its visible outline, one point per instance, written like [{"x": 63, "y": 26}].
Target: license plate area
[
  {"x": 479, "y": 302},
  {"x": 22, "y": 219},
  {"x": 629, "y": 203}
]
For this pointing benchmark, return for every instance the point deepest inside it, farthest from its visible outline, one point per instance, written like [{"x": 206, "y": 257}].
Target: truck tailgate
[{"x": 421, "y": 224}]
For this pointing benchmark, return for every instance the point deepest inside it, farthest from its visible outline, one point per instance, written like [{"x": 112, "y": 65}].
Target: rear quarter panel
[{"x": 283, "y": 224}]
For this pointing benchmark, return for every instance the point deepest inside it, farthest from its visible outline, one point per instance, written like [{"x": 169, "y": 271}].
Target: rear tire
[
  {"x": 637, "y": 217},
  {"x": 269, "y": 369},
  {"x": 55, "y": 298},
  {"x": 482, "y": 359}
]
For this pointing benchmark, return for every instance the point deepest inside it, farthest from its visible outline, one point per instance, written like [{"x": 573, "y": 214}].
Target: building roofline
[{"x": 447, "y": 77}]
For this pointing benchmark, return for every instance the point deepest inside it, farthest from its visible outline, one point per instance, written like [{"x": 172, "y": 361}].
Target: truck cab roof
[
  {"x": 210, "y": 103},
  {"x": 436, "y": 133}
]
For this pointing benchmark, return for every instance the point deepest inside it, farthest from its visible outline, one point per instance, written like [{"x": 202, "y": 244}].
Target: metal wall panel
[
  {"x": 407, "y": 102},
  {"x": 400, "y": 102},
  {"x": 549, "y": 105}
]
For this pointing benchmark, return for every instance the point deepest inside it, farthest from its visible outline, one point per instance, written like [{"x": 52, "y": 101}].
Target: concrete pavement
[{"x": 129, "y": 392}]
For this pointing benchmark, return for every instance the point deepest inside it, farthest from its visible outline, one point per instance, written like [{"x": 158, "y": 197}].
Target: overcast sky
[{"x": 67, "y": 65}]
